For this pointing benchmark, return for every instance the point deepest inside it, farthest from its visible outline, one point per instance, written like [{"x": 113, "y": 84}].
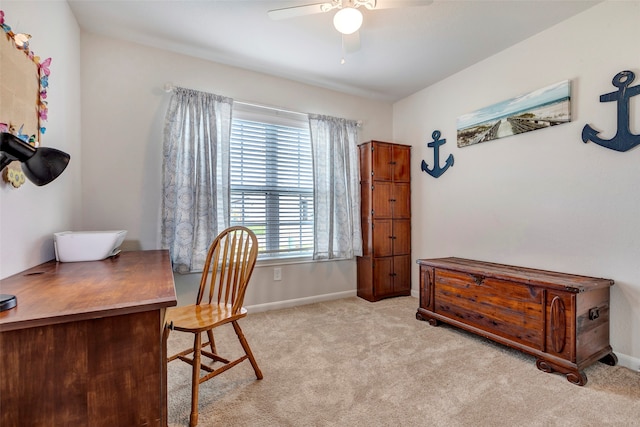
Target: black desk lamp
[{"x": 41, "y": 165}]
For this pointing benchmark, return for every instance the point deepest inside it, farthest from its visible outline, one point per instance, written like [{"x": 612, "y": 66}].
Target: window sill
[{"x": 296, "y": 260}]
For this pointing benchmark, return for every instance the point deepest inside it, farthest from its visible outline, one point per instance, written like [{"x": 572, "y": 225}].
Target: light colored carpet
[{"x": 350, "y": 362}]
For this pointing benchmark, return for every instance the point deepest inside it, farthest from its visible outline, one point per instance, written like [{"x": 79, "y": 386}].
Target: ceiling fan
[{"x": 348, "y": 19}]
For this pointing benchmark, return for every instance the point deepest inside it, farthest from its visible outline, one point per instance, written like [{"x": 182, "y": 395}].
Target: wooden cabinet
[
  {"x": 84, "y": 345},
  {"x": 561, "y": 319},
  {"x": 384, "y": 270}
]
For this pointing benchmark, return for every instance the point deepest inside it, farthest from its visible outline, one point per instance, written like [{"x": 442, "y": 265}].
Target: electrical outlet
[{"x": 277, "y": 273}]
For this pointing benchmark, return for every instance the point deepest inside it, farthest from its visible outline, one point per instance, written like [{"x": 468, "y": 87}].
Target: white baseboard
[
  {"x": 299, "y": 301},
  {"x": 630, "y": 362}
]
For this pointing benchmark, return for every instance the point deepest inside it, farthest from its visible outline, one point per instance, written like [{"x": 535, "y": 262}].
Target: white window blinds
[{"x": 271, "y": 179}]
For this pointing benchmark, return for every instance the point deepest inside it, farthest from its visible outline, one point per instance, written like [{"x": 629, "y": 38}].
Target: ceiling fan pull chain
[{"x": 342, "y": 60}]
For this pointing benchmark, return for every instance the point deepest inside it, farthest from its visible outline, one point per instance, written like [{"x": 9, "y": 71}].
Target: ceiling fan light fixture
[{"x": 347, "y": 20}]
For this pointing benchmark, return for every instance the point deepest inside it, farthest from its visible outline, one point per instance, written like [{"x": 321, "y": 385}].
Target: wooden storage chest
[{"x": 561, "y": 319}]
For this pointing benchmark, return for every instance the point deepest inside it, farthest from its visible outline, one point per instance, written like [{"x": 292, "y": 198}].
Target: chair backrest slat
[
  {"x": 228, "y": 267},
  {"x": 223, "y": 266},
  {"x": 231, "y": 267}
]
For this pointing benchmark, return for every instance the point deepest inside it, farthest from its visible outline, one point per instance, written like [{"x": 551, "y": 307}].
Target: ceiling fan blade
[
  {"x": 292, "y": 12},
  {"x": 392, "y": 4},
  {"x": 351, "y": 42}
]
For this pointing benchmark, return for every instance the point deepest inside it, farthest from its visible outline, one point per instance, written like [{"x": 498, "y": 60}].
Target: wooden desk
[{"x": 84, "y": 346}]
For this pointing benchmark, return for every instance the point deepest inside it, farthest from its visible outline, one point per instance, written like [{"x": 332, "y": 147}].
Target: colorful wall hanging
[
  {"x": 539, "y": 109},
  {"x": 623, "y": 140},
  {"x": 23, "y": 90},
  {"x": 436, "y": 170}
]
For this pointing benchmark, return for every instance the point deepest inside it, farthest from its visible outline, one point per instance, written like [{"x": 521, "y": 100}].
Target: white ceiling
[{"x": 403, "y": 50}]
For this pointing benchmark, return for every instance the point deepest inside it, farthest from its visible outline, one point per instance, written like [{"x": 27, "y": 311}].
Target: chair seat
[{"x": 201, "y": 317}]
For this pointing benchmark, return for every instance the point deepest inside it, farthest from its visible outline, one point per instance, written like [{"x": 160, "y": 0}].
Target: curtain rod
[{"x": 169, "y": 87}]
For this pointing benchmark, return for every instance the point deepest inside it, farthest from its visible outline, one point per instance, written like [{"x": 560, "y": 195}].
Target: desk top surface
[{"x": 57, "y": 292}]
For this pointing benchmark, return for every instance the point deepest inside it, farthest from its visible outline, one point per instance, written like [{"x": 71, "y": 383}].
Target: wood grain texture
[
  {"x": 558, "y": 324},
  {"x": 101, "y": 366},
  {"x": 384, "y": 270},
  {"x": 58, "y": 292},
  {"x": 514, "y": 312},
  {"x": 562, "y": 319}
]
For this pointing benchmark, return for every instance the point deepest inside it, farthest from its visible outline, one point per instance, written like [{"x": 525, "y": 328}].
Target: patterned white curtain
[
  {"x": 195, "y": 192},
  {"x": 336, "y": 178}
]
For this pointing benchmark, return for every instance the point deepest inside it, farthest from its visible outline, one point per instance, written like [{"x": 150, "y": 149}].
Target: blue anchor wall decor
[
  {"x": 436, "y": 171},
  {"x": 624, "y": 140}
]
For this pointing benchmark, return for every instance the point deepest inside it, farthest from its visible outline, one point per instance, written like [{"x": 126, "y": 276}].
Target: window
[{"x": 271, "y": 179}]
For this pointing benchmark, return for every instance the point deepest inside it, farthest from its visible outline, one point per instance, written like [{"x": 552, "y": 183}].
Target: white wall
[
  {"x": 123, "y": 116},
  {"x": 30, "y": 215},
  {"x": 542, "y": 199}
]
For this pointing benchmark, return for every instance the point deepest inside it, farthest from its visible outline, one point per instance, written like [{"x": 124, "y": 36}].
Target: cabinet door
[
  {"x": 389, "y": 200},
  {"x": 382, "y": 161},
  {"x": 401, "y": 273},
  {"x": 401, "y": 163},
  {"x": 381, "y": 199},
  {"x": 382, "y": 235},
  {"x": 383, "y": 276},
  {"x": 401, "y": 237},
  {"x": 401, "y": 200}
]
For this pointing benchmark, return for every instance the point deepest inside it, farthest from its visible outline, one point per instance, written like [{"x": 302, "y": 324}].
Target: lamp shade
[
  {"x": 41, "y": 165},
  {"x": 347, "y": 20}
]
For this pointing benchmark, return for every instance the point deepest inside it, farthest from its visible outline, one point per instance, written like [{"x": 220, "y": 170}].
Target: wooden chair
[{"x": 225, "y": 277}]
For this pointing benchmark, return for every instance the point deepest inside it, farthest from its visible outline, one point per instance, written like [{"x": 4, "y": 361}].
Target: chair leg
[
  {"x": 247, "y": 349},
  {"x": 211, "y": 341},
  {"x": 195, "y": 380}
]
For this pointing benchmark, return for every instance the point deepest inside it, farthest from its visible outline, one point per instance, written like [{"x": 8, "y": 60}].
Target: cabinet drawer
[{"x": 512, "y": 310}]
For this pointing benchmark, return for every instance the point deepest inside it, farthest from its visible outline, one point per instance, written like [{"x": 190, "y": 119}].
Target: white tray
[{"x": 72, "y": 246}]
